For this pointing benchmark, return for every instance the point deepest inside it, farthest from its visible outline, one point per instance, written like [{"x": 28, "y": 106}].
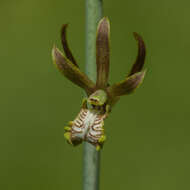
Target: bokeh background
[{"x": 148, "y": 144}]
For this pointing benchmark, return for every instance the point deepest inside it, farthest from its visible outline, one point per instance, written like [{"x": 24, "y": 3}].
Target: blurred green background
[{"x": 148, "y": 144}]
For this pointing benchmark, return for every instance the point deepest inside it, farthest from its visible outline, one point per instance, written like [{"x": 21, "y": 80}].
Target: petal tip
[
  {"x": 104, "y": 23},
  {"x": 105, "y": 19},
  {"x": 63, "y": 28},
  {"x": 138, "y": 79},
  {"x": 137, "y": 36},
  {"x": 53, "y": 53},
  {"x": 57, "y": 56}
]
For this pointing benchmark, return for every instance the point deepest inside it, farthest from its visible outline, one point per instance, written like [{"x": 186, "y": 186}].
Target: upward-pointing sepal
[
  {"x": 71, "y": 72},
  {"x": 102, "y": 53}
]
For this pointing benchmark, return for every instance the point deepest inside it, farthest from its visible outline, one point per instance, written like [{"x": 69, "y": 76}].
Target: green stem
[{"x": 91, "y": 161}]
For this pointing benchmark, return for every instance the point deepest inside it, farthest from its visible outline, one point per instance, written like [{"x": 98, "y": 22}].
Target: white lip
[{"x": 91, "y": 126}]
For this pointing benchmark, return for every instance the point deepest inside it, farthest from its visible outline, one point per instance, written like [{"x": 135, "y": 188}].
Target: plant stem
[{"x": 91, "y": 161}]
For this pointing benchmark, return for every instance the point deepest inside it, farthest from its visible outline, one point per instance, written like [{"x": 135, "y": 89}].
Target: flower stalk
[{"x": 91, "y": 157}]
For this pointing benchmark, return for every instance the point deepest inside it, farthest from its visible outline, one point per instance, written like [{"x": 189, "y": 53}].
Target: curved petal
[
  {"x": 102, "y": 53},
  {"x": 65, "y": 45},
  {"x": 138, "y": 65},
  {"x": 70, "y": 71},
  {"x": 127, "y": 86}
]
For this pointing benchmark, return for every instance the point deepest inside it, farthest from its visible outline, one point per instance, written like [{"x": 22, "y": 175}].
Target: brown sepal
[
  {"x": 70, "y": 71},
  {"x": 127, "y": 86},
  {"x": 102, "y": 53}
]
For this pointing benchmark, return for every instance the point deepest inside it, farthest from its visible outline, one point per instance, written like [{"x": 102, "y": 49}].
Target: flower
[{"x": 102, "y": 96}]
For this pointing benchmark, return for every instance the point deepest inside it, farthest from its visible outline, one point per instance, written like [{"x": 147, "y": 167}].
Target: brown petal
[
  {"x": 102, "y": 52},
  {"x": 127, "y": 86},
  {"x": 65, "y": 45},
  {"x": 70, "y": 71},
  {"x": 138, "y": 65}
]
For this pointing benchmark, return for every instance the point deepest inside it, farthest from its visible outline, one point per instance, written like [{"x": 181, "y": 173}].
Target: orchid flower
[{"x": 101, "y": 96}]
